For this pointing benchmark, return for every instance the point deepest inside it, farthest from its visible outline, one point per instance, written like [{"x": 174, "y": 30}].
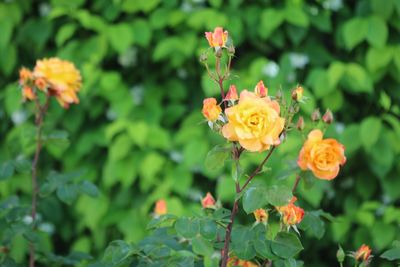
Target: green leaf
[
  {"x": 369, "y": 131},
  {"x": 118, "y": 252},
  {"x": 263, "y": 247},
  {"x": 335, "y": 72},
  {"x": 377, "y": 32},
  {"x": 216, "y": 157},
  {"x": 278, "y": 195},
  {"x": 383, "y": 8},
  {"x": 286, "y": 245},
  {"x": 208, "y": 229},
  {"x": 254, "y": 198},
  {"x": 378, "y": 58},
  {"x": 313, "y": 224},
  {"x": 392, "y": 254},
  {"x": 354, "y": 32},
  {"x": 242, "y": 242},
  {"x": 88, "y": 188},
  {"x": 65, "y": 32},
  {"x": 6, "y": 170},
  {"x": 202, "y": 247},
  {"x": 187, "y": 227},
  {"x": 357, "y": 80},
  {"x": 271, "y": 19},
  {"x": 296, "y": 16},
  {"x": 120, "y": 36},
  {"x": 22, "y": 165},
  {"x": 67, "y": 193}
]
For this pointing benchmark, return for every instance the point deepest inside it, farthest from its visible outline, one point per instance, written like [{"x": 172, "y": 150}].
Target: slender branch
[
  {"x": 236, "y": 152},
  {"x": 296, "y": 183},
  {"x": 40, "y": 113},
  {"x": 256, "y": 171}
]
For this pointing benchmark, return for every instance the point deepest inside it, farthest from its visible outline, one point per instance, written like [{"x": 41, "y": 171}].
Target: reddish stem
[
  {"x": 40, "y": 112},
  {"x": 296, "y": 183}
]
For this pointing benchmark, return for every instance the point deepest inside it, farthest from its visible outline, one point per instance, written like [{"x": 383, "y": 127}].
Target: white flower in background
[
  {"x": 186, "y": 7},
  {"x": 333, "y": 5},
  {"x": 271, "y": 69},
  {"x": 46, "y": 227},
  {"x": 18, "y": 117},
  {"x": 298, "y": 61},
  {"x": 27, "y": 219},
  {"x": 128, "y": 58},
  {"x": 314, "y": 10},
  {"x": 176, "y": 156},
  {"x": 137, "y": 93},
  {"x": 182, "y": 73},
  {"x": 111, "y": 114},
  {"x": 339, "y": 127},
  {"x": 44, "y": 9}
]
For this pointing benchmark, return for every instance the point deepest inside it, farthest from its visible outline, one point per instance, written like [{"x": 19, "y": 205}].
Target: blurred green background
[{"x": 138, "y": 132}]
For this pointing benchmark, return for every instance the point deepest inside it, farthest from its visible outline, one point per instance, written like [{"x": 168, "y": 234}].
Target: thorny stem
[{"x": 40, "y": 113}]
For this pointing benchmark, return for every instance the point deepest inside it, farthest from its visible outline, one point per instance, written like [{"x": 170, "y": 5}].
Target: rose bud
[{"x": 208, "y": 202}]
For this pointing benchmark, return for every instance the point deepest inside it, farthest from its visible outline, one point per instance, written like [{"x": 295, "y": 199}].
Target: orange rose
[
  {"x": 27, "y": 93},
  {"x": 217, "y": 38},
  {"x": 61, "y": 77},
  {"x": 291, "y": 214},
  {"x": 363, "y": 253},
  {"x": 261, "y": 215},
  {"x": 254, "y": 122},
  {"x": 25, "y": 75},
  {"x": 234, "y": 261},
  {"x": 208, "y": 202},
  {"x": 160, "y": 207},
  {"x": 322, "y": 156},
  {"x": 211, "y": 110}
]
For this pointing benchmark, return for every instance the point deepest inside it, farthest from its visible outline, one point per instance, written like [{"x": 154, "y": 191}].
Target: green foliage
[{"x": 138, "y": 129}]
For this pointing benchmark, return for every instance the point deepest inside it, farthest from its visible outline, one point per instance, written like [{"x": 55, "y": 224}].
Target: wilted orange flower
[
  {"x": 25, "y": 75},
  {"x": 260, "y": 89},
  {"x": 210, "y": 109},
  {"x": 232, "y": 93},
  {"x": 160, "y": 207},
  {"x": 62, "y": 78},
  {"x": 254, "y": 122},
  {"x": 297, "y": 93},
  {"x": 41, "y": 84},
  {"x": 208, "y": 202},
  {"x": 322, "y": 156},
  {"x": 291, "y": 214},
  {"x": 217, "y": 38},
  {"x": 261, "y": 215},
  {"x": 27, "y": 93},
  {"x": 363, "y": 253},
  {"x": 234, "y": 261}
]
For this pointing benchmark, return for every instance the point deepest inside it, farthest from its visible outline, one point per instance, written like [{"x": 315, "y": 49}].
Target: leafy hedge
[{"x": 138, "y": 132}]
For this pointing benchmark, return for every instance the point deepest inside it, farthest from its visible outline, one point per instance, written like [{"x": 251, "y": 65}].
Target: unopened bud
[
  {"x": 279, "y": 94},
  {"x": 316, "y": 115},
  {"x": 231, "y": 50},
  {"x": 297, "y": 93},
  {"x": 203, "y": 58},
  {"x": 328, "y": 117},
  {"x": 232, "y": 93},
  {"x": 218, "y": 51},
  {"x": 300, "y": 124},
  {"x": 208, "y": 202},
  {"x": 340, "y": 255}
]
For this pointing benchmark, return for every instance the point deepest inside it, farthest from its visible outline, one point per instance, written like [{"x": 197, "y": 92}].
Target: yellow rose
[
  {"x": 254, "y": 122},
  {"x": 62, "y": 78},
  {"x": 211, "y": 110},
  {"x": 322, "y": 156}
]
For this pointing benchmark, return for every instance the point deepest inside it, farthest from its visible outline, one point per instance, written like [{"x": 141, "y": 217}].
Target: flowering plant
[{"x": 251, "y": 122}]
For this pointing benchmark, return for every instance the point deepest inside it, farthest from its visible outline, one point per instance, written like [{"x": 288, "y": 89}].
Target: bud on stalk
[
  {"x": 328, "y": 117},
  {"x": 316, "y": 115}
]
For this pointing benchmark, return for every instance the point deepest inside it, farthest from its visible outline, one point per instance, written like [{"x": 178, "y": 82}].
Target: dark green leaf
[
  {"x": 216, "y": 157},
  {"x": 286, "y": 245},
  {"x": 278, "y": 195},
  {"x": 202, "y": 247},
  {"x": 187, "y": 227},
  {"x": 6, "y": 170},
  {"x": 67, "y": 193},
  {"x": 88, "y": 188}
]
